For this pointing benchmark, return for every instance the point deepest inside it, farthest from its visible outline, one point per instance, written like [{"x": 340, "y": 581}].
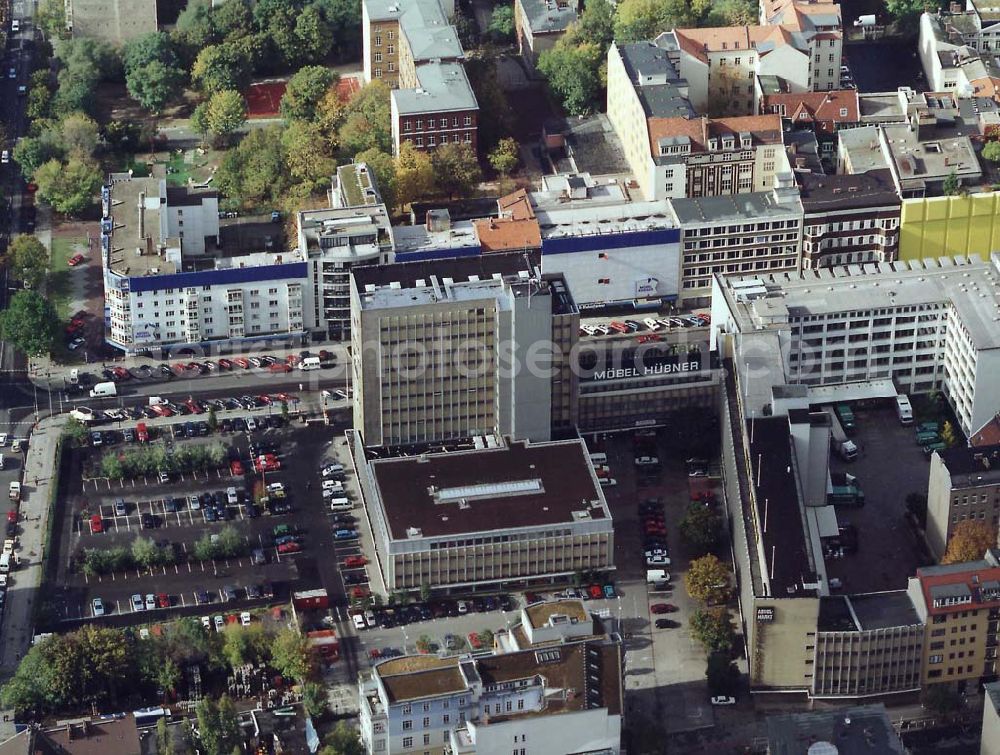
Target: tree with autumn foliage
[
  {"x": 707, "y": 580},
  {"x": 969, "y": 541}
]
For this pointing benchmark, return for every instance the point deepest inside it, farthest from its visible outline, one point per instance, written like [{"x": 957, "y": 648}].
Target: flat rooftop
[
  {"x": 539, "y": 613},
  {"x": 761, "y": 205},
  {"x": 862, "y": 147},
  {"x": 521, "y": 485},
  {"x": 364, "y": 224},
  {"x": 415, "y": 238},
  {"x": 822, "y": 194},
  {"x": 549, "y": 16},
  {"x": 972, "y": 466},
  {"x": 135, "y": 239},
  {"x": 417, "y": 676},
  {"x": 849, "y": 731},
  {"x": 604, "y": 210},
  {"x": 883, "y": 610},
  {"x": 934, "y": 153},
  {"x": 443, "y": 88},
  {"x": 969, "y": 284},
  {"x": 407, "y": 274}
]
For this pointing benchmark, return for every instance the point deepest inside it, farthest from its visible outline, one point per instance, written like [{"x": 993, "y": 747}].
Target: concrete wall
[
  {"x": 581, "y": 731},
  {"x": 938, "y": 506}
]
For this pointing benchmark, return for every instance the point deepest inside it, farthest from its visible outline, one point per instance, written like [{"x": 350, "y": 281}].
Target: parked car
[
  {"x": 667, "y": 624},
  {"x": 662, "y": 608},
  {"x": 723, "y": 700},
  {"x": 97, "y": 606}
]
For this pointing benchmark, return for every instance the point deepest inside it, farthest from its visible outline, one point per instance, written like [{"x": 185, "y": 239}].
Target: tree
[
  {"x": 916, "y": 504},
  {"x": 597, "y": 23},
  {"x": 414, "y": 174},
  {"x": 307, "y": 154},
  {"x": 141, "y": 51},
  {"x": 30, "y": 323},
  {"x": 291, "y": 655},
  {"x": 314, "y": 699},
  {"x": 505, "y": 155},
  {"x": 900, "y": 9},
  {"x": 637, "y": 20},
  {"x": 501, "y": 27},
  {"x": 195, "y": 27},
  {"x": 951, "y": 184},
  {"x": 304, "y": 91},
  {"x": 164, "y": 742},
  {"x": 155, "y": 84},
  {"x": 168, "y": 675},
  {"x": 31, "y": 152},
  {"x": 384, "y": 169},
  {"x": 573, "y": 74},
  {"x": 456, "y": 168},
  {"x": 145, "y": 552},
  {"x": 329, "y": 116},
  {"x": 80, "y": 134},
  {"x": 76, "y": 89},
  {"x": 314, "y": 36},
  {"x": 199, "y": 121},
  {"x": 51, "y": 17},
  {"x": 425, "y": 592},
  {"x": 213, "y": 419},
  {"x": 29, "y": 260},
  {"x": 226, "y": 113},
  {"x": 232, "y": 19},
  {"x": 344, "y": 17},
  {"x": 218, "y": 726},
  {"x": 707, "y": 580},
  {"x": 254, "y": 172},
  {"x": 713, "y": 628},
  {"x": 343, "y": 740},
  {"x": 942, "y": 700},
  {"x": 496, "y": 117},
  {"x": 70, "y": 188},
  {"x": 969, "y": 541},
  {"x": 221, "y": 67},
  {"x": 366, "y": 122},
  {"x": 701, "y": 527},
  {"x": 75, "y": 431},
  {"x": 723, "y": 676}
]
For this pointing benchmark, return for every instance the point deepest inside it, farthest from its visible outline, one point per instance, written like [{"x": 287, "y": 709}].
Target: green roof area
[{"x": 353, "y": 183}]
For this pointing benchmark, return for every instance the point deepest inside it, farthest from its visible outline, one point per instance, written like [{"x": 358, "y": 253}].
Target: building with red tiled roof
[
  {"x": 822, "y": 111},
  {"x": 960, "y": 606},
  {"x": 988, "y": 434}
]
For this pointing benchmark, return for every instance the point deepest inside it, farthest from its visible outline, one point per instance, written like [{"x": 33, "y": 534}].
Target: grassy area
[{"x": 60, "y": 288}]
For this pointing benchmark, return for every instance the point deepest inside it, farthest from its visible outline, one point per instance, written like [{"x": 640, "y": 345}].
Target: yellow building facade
[{"x": 948, "y": 226}]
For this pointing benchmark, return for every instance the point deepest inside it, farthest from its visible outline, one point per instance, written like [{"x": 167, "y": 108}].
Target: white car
[
  {"x": 652, "y": 323},
  {"x": 647, "y": 461},
  {"x": 601, "y": 329},
  {"x": 245, "y": 618},
  {"x": 5, "y": 157},
  {"x": 332, "y": 484},
  {"x": 194, "y": 502},
  {"x": 275, "y": 487},
  {"x": 206, "y": 622},
  {"x": 75, "y": 344},
  {"x": 462, "y": 606},
  {"x": 3, "y": 439},
  {"x": 657, "y": 561},
  {"x": 137, "y": 602},
  {"x": 607, "y": 482},
  {"x": 219, "y": 623},
  {"x": 150, "y": 602},
  {"x": 231, "y": 496},
  {"x": 359, "y": 621},
  {"x": 723, "y": 700},
  {"x": 251, "y": 424},
  {"x": 98, "y": 606}
]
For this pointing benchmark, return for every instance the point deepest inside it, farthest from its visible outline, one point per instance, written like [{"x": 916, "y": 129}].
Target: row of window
[
  {"x": 442, "y": 122},
  {"x": 433, "y": 141}
]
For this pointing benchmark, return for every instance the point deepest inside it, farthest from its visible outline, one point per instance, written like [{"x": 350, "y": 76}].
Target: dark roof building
[{"x": 847, "y": 731}]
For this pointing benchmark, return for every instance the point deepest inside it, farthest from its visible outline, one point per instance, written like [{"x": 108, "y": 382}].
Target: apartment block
[
  {"x": 539, "y": 24},
  {"x": 814, "y": 26},
  {"x": 354, "y": 231},
  {"x": 166, "y": 285},
  {"x": 849, "y": 219},
  {"x": 566, "y": 698},
  {"x": 516, "y": 513},
  {"x": 928, "y": 325},
  {"x": 440, "y": 109},
  {"x": 958, "y": 49},
  {"x": 822, "y": 113},
  {"x": 960, "y": 604},
  {"x": 440, "y": 350},
  {"x": 964, "y": 485},
  {"x": 742, "y": 233},
  {"x": 398, "y": 35}
]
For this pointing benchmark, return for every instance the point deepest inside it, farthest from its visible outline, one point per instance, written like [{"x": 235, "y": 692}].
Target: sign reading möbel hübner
[{"x": 653, "y": 369}]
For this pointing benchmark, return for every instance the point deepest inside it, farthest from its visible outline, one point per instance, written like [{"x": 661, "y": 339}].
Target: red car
[
  {"x": 595, "y": 592},
  {"x": 290, "y": 547},
  {"x": 121, "y": 373},
  {"x": 75, "y": 260},
  {"x": 225, "y": 364},
  {"x": 73, "y": 326},
  {"x": 280, "y": 367},
  {"x": 241, "y": 362},
  {"x": 359, "y": 593},
  {"x": 96, "y": 523},
  {"x": 264, "y": 399},
  {"x": 194, "y": 406},
  {"x": 292, "y": 359},
  {"x": 236, "y": 468},
  {"x": 662, "y": 608},
  {"x": 352, "y": 562},
  {"x": 162, "y": 411},
  {"x": 474, "y": 641},
  {"x": 163, "y": 600},
  {"x": 283, "y": 397}
]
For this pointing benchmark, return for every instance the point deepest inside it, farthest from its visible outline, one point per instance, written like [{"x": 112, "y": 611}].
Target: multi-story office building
[
  {"x": 927, "y": 325},
  {"x": 441, "y": 109},
  {"x": 354, "y": 231},
  {"x": 566, "y": 698},
  {"x": 454, "y": 348},
  {"x": 964, "y": 485},
  {"x": 759, "y": 232},
  {"x": 848, "y": 219},
  {"x": 960, "y": 604},
  {"x": 166, "y": 285},
  {"x": 519, "y": 513}
]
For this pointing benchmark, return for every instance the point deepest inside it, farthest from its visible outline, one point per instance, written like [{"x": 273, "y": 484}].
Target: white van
[
  {"x": 903, "y": 410},
  {"x": 104, "y": 389},
  {"x": 310, "y": 363},
  {"x": 74, "y": 376},
  {"x": 1, "y": 461},
  {"x": 599, "y": 458},
  {"x": 5, "y": 562},
  {"x": 657, "y": 575},
  {"x": 340, "y": 504},
  {"x": 157, "y": 400}
]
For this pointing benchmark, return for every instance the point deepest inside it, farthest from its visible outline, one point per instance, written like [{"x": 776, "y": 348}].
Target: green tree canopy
[
  {"x": 505, "y": 156},
  {"x": 304, "y": 91},
  {"x": 218, "y": 726},
  {"x": 233, "y": 18},
  {"x": 991, "y": 151},
  {"x": 637, "y": 20},
  {"x": 307, "y": 154},
  {"x": 723, "y": 676},
  {"x": 367, "y": 120},
  {"x": 344, "y": 17},
  {"x": 573, "y": 73},
  {"x": 457, "y": 169},
  {"x": 707, "y": 580},
  {"x": 80, "y": 134},
  {"x": 155, "y": 84},
  {"x": 292, "y": 656},
  {"x": 76, "y": 89},
  {"x": 713, "y": 628},
  {"x": 701, "y": 528},
  {"x": 254, "y": 172},
  {"x": 414, "y": 174},
  {"x": 501, "y": 28},
  {"x": 29, "y": 260},
  {"x": 30, "y": 323},
  {"x": 222, "y": 67},
  {"x": 70, "y": 188},
  {"x": 343, "y": 740},
  {"x": 155, "y": 46},
  {"x": 226, "y": 113},
  {"x": 597, "y": 24}
]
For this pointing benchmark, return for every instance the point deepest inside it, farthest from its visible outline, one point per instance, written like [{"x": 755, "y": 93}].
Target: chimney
[{"x": 142, "y": 214}]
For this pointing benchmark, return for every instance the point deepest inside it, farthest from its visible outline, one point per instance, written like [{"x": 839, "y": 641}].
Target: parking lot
[
  {"x": 890, "y": 466},
  {"x": 106, "y": 515}
]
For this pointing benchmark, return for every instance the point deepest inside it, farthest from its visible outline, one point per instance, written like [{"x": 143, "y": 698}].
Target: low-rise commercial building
[
  {"x": 926, "y": 325},
  {"x": 848, "y": 219},
  {"x": 960, "y": 605},
  {"x": 467, "y": 346},
  {"x": 567, "y": 698},
  {"x": 964, "y": 485},
  {"x": 519, "y": 513}
]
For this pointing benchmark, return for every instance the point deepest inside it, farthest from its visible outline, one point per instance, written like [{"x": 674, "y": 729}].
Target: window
[
  {"x": 407, "y": 741},
  {"x": 378, "y": 40},
  {"x": 407, "y": 724},
  {"x": 467, "y": 138},
  {"x": 378, "y": 73},
  {"x": 378, "y": 57},
  {"x": 935, "y": 659},
  {"x": 427, "y": 739},
  {"x": 427, "y": 722},
  {"x": 420, "y": 141},
  {"x": 468, "y": 120}
]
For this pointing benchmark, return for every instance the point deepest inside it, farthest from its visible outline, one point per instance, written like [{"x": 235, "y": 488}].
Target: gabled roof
[
  {"x": 977, "y": 580},
  {"x": 817, "y": 107},
  {"x": 988, "y": 434},
  {"x": 764, "y": 129}
]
